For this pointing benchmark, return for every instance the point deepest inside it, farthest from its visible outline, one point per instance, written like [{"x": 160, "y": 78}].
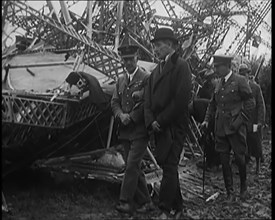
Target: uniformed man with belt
[
  {"x": 231, "y": 105},
  {"x": 127, "y": 106},
  {"x": 257, "y": 120}
]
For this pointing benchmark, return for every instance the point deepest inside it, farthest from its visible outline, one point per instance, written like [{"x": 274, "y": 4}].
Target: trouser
[
  {"x": 237, "y": 143},
  {"x": 170, "y": 197},
  {"x": 254, "y": 143},
  {"x": 134, "y": 186}
]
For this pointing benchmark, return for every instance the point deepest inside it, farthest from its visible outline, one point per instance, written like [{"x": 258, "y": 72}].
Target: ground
[{"x": 32, "y": 195}]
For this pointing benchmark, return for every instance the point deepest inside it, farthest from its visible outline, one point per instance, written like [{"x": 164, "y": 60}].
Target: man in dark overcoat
[
  {"x": 167, "y": 95},
  {"x": 257, "y": 119},
  {"x": 127, "y": 105},
  {"x": 231, "y": 106}
]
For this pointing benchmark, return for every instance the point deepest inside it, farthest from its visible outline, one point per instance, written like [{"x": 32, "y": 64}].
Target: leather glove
[
  {"x": 204, "y": 125},
  {"x": 155, "y": 126},
  {"x": 125, "y": 118}
]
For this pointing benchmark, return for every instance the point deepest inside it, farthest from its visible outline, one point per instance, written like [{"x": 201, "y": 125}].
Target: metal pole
[{"x": 110, "y": 132}]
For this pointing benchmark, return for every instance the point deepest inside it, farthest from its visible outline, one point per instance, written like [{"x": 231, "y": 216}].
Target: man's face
[
  {"x": 162, "y": 48},
  {"x": 245, "y": 74},
  {"x": 130, "y": 63},
  {"x": 222, "y": 69}
]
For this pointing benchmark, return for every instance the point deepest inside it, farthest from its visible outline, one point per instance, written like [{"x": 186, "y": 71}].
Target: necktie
[{"x": 161, "y": 65}]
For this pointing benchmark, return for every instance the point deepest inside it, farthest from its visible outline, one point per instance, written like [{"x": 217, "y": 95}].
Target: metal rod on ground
[
  {"x": 110, "y": 131},
  {"x": 4, "y": 203}
]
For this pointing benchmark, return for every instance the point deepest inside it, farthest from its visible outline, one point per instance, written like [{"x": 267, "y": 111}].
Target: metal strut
[{"x": 98, "y": 57}]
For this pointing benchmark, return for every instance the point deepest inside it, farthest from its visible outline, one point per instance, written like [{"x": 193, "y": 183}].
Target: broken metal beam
[{"x": 39, "y": 65}]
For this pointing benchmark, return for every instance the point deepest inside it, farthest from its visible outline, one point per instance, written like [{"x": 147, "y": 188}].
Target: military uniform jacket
[
  {"x": 231, "y": 105},
  {"x": 167, "y": 95},
  {"x": 124, "y": 102},
  {"x": 258, "y": 113}
]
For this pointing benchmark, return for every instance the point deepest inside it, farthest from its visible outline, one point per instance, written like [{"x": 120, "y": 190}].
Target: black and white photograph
[{"x": 136, "y": 109}]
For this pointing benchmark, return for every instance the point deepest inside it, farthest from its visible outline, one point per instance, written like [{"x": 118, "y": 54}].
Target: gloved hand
[
  {"x": 204, "y": 125},
  {"x": 155, "y": 126},
  {"x": 125, "y": 118}
]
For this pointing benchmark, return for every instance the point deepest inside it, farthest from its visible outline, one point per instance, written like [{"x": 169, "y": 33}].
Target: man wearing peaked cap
[
  {"x": 243, "y": 69},
  {"x": 128, "y": 47},
  {"x": 222, "y": 59},
  {"x": 231, "y": 106},
  {"x": 257, "y": 120},
  {"x": 127, "y": 107},
  {"x": 167, "y": 95}
]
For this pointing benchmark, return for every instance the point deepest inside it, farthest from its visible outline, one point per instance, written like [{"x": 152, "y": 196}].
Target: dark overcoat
[
  {"x": 258, "y": 113},
  {"x": 167, "y": 95},
  {"x": 123, "y": 102},
  {"x": 254, "y": 139}
]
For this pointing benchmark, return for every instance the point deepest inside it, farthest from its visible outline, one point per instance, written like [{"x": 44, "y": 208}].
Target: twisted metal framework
[{"x": 140, "y": 20}]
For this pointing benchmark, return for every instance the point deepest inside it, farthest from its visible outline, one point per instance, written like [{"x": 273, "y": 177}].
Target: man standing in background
[
  {"x": 231, "y": 106},
  {"x": 257, "y": 119}
]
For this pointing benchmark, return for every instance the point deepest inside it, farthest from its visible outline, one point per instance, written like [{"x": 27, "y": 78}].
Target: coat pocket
[{"x": 236, "y": 122}]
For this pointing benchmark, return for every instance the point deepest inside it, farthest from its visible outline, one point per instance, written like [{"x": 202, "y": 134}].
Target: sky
[{"x": 261, "y": 50}]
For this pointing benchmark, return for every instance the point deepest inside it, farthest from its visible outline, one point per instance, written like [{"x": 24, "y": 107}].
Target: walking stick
[
  {"x": 203, "y": 172},
  {"x": 204, "y": 162}
]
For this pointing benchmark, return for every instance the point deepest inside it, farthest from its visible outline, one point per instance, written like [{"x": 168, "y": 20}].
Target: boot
[
  {"x": 243, "y": 191},
  {"x": 230, "y": 196},
  {"x": 243, "y": 187},
  {"x": 228, "y": 182}
]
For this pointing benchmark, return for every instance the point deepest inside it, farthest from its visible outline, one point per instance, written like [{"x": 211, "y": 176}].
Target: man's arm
[
  {"x": 211, "y": 109},
  {"x": 247, "y": 98},
  {"x": 148, "y": 114},
  {"x": 115, "y": 102},
  {"x": 260, "y": 106}
]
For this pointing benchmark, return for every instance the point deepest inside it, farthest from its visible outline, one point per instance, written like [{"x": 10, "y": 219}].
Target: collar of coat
[
  {"x": 168, "y": 66},
  {"x": 131, "y": 76},
  {"x": 231, "y": 77}
]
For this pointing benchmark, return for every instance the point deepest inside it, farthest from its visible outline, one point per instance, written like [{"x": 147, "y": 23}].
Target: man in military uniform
[
  {"x": 167, "y": 95},
  {"x": 231, "y": 104},
  {"x": 257, "y": 119},
  {"x": 127, "y": 106}
]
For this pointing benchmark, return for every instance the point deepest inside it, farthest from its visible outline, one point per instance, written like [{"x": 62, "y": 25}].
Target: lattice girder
[
  {"x": 56, "y": 34},
  {"x": 39, "y": 111},
  {"x": 255, "y": 22}
]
